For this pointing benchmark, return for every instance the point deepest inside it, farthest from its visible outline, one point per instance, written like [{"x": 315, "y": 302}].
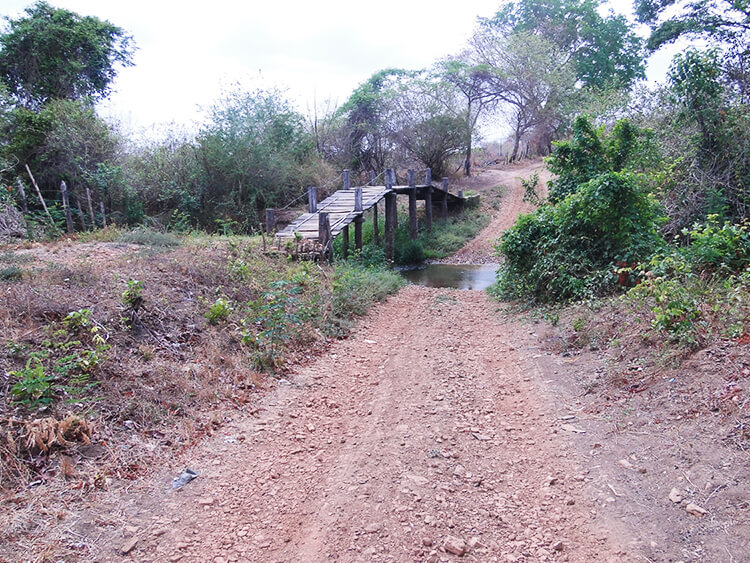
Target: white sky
[{"x": 189, "y": 51}]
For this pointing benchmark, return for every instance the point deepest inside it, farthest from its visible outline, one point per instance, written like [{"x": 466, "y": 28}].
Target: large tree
[
  {"x": 602, "y": 48},
  {"x": 725, "y": 20},
  {"x": 55, "y": 53},
  {"x": 473, "y": 80}
]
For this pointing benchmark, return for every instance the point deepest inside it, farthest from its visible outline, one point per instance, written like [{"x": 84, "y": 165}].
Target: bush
[
  {"x": 573, "y": 250},
  {"x": 149, "y": 237}
]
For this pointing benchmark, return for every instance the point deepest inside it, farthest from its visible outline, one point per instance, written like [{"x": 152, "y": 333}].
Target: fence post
[
  {"x": 428, "y": 206},
  {"x": 428, "y": 176},
  {"x": 91, "y": 208},
  {"x": 372, "y": 177},
  {"x": 312, "y": 199},
  {"x": 22, "y": 193},
  {"x": 324, "y": 235},
  {"x": 357, "y": 199},
  {"x": 66, "y": 206},
  {"x": 347, "y": 180},
  {"x": 270, "y": 220},
  {"x": 104, "y": 217},
  {"x": 390, "y": 226}
]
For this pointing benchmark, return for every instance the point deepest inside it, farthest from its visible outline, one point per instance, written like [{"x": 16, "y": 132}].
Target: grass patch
[
  {"x": 149, "y": 237},
  {"x": 447, "y": 237},
  {"x": 13, "y": 258},
  {"x": 11, "y": 273}
]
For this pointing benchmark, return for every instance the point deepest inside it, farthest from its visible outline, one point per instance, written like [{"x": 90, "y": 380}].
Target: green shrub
[
  {"x": 572, "y": 250},
  {"x": 715, "y": 246},
  {"x": 219, "y": 311},
  {"x": 34, "y": 387},
  {"x": 11, "y": 273}
]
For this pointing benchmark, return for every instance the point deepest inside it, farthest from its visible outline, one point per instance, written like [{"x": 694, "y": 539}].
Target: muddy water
[{"x": 459, "y": 276}]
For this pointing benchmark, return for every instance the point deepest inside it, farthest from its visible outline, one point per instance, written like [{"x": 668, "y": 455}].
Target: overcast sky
[{"x": 189, "y": 51}]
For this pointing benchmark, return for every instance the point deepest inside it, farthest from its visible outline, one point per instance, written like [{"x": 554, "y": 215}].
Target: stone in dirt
[
  {"x": 695, "y": 510},
  {"x": 129, "y": 545},
  {"x": 373, "y": 528},
  {"x": 456, "y": 546},
  {"x": 675, "y": 495},
  {"x": 208, "y": 501},
  {"x": 558, "y": 546}
]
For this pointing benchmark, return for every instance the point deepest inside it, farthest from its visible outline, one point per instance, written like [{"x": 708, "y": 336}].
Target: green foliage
[
  {"x": 274, "y": 321},
  {"x": 253, "y": 151},
  {"x": 219, "y": 311},
  {"x": 11, "y": 273},
  {"x": 77, "y": 320},
  {"x": 571, "y": 250},
  {"x": 356, "y": 288},
  {"x": 530, "y": 186},
  {"x": 33, "y": 387},
  {"x": 591, "y": 152},
  {"x": 723, "y": 247},
  {"x": 55, "y": 53},
  {"x": 603, "y": 48},
  {"x": 132, "y": 297}
]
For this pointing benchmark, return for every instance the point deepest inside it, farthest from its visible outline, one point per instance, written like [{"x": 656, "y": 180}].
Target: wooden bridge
[{"x": 331, "y": 217}]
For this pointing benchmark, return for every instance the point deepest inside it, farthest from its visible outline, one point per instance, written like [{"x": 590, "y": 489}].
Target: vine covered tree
[{"x": 55, "y": 53}]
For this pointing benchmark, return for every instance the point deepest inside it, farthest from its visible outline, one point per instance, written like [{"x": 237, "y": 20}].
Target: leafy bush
[
  {"x": 571, "y": 250},
  {"x": 590, "y": 153},
  {"x": 34, "y": 387},
  {"x": 11, "y": 273},
  {"x": 219, "y": 311}
]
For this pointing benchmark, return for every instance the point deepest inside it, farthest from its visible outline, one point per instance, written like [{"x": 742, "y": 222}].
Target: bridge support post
[
  {"x": 347, "y": 180},
  {"x": 357, "y": 199},
  {"x": 324, "y": 236},
  {"x": 390, "y": 224},
  {"x": 345, "y": 241},
  {"x": 372, "y": 177},
  {"x": 428, "y": 207},
  {"x": 445, "y": 198},
  {"x": 428, "y": 176},
  {"x": 312, "y": 199},
  {"x": 413, "y": 231},
  {"x": 375, "y": 226},
  {"x": 358, "y": 231}
]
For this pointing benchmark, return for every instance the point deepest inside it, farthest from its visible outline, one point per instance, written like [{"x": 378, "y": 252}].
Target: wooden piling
[
  {"x": 345, "y": 241},
  {"x": 270, "y": 220},
  {"x": 312, "y": 199},
  {"x": 428, "y": 206},
  {"x": 444, "y": 211},
  {"x": 357, "y": 199},
  {"x": 358, "y": 220},
  {"x": 324, "y": 236},
  {"x": 428, "y": 176},
  {"x": 372, "y": 177},
  {"x": 413, "y": 230},
  {"x": 390, "y": 227},
  {"x": 81, "y": 217},
  {"x": 375, "y": 226},
  {"x": 347, "y": 180}
]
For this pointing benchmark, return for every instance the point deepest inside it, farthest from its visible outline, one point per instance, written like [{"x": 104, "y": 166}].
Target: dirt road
[{"x": 429, "y": 435}]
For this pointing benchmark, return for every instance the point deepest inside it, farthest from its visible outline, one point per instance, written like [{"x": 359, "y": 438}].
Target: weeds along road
[{"x": 429, "y": 435}]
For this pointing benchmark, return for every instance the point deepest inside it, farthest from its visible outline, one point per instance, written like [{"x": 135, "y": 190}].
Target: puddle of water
[{"x": 458, "y": 276}]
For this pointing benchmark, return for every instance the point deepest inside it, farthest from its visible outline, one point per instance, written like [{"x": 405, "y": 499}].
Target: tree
[
  {"x": 55, "y": 53},
  {"x": 531, "y": 77},
  {"x": 254, "y": 151},
  {"x": 602, "y": 49},
  {"x": 472, "y": 80},
  {"x": 723, "y": 20}
]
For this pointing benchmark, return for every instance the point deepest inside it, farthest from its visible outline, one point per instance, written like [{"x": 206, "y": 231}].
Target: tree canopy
[{"x": 55, "y": 53}]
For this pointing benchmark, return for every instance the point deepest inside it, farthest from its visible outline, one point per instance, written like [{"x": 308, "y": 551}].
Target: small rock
[
  {"x": 675, "y": 495},
  {"x": 558, "y": 546},
  {"x": 373, "y": 528},
  {"x": 626, "y": 464},
  {"x": 208, "y": 501},
  {"x": 129, "y": 545},
  {"x": 695, "y": 510},
  {"x": 453, "y": 545},
  {"x": 571, "y": 428},
  {"x": 459, "y": 471},
  {"x": 427, "y": 542}
]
